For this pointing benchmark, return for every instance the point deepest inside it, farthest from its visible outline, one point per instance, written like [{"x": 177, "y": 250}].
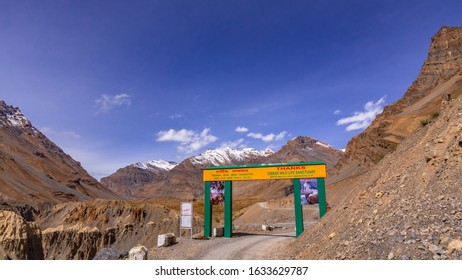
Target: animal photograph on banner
[
  {"x": 217, "y": 193},
  {"x": 309, "y": 191}
]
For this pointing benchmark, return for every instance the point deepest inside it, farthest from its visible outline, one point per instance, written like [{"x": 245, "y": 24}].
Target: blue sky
[{"x": 117, "y": 82}]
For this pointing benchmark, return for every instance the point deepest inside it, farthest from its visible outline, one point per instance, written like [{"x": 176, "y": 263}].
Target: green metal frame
[
  {"x": 298, "y": 208},
  {"x": 322, "y": 197},
  {"x": 228, "y": 209},
  {"x": 207, "y": 211}
]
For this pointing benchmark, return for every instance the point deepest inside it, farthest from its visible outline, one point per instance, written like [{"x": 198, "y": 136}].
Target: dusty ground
[{"x": 249, "y": 241}]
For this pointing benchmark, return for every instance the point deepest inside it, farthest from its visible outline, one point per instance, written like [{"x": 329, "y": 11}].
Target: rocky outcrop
[
  {"x": 3, "y": 254},
  {"x": 440, "y": 72},
  {"x": 80, "y": 230},
  {"x": 19, "y": 239},
  {"x": 305, "y": 148},
  {"x": 408, "y": 206},
  {"x": 77, "y": 242}
]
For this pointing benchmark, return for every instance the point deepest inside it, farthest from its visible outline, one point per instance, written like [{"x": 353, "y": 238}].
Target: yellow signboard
[{"x": 265, "y": 173}]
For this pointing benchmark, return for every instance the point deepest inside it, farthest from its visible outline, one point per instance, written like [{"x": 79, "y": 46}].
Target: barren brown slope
[
  {"x": 440, "y": 71},
  {"x": 409, "y": 206},
  {"x": 34, "y": 171}
]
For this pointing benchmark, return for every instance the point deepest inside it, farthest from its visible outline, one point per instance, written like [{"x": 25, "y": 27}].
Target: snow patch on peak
[
  {"x": 227, "y": 155},
  {"x": 156, "y": 164},
  {"x": 12, "y": 116},
  {"x": 322, "y": 144}
]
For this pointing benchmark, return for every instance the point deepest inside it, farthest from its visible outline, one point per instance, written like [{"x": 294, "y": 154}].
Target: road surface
[{"x": 245, "y": 247}]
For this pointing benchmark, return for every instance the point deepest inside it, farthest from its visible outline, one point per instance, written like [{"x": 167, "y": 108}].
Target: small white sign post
[{"x": 186, "y": 214}]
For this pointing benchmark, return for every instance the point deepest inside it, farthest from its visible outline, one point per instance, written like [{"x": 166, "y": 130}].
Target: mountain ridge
[
  {"x": 34, "y": 171},
  {"x": 185, "y": 179},
  {"x": 440, "y": 73}
]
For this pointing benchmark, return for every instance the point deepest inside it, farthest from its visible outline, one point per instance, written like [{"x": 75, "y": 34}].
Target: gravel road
[{"x": 246, "y": 247}]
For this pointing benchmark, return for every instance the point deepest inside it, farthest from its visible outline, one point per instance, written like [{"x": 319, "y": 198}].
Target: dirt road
[{"x": 246, "y": 247}]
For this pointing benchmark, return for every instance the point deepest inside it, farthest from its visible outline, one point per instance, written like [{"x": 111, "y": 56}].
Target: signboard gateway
[{"x": 312, "y": 191}]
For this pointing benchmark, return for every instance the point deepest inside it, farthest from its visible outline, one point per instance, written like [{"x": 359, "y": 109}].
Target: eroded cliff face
[
  {"x": 19, "y": 239},
  {"x": 78, "y": 230},
  {"x": 440, "y": 74}
]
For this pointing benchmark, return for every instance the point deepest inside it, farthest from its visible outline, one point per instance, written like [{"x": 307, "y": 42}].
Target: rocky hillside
[
  {"x": 34, "y": 171},
  {"x": 440, "y": 74},
  {"x": 128, "y": 180},
  {"x": 409, "y": 206}
]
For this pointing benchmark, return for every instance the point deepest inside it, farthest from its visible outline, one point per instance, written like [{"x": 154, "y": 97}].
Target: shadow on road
[{"x": 241, "y": 234}]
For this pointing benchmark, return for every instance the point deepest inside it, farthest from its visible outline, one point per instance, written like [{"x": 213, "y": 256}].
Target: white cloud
[
  {"x": 238, "y": 144},
  {"x": 241, "y": 129},
  {"x": 337, "y": 112},
  {"x": 190, "y": 141},
  {"x": 269, "y": 137},
  {"x": 361, "y": 120},
  {"x": 107, "y": 102},
  {"x": 182, "y": 136}
]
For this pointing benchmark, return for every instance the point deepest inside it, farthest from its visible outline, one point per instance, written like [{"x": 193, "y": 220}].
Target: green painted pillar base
[
  {"x": 322, "y": 197},
  {"x": 228, "y": 209},
  {"x": 207, "y": 211},
  {"x": 298, "y": 208}
]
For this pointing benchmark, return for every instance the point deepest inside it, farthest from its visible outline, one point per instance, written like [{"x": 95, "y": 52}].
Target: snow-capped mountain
[
  {"x": 11, "y": 116},
  {"x": 34, "y": 170},
  {"x": 160, "y": 177},
  {"x": 226, "y": 155},
  {"x": 156, "y": 164},
  {"x": 184, "y": 180}
]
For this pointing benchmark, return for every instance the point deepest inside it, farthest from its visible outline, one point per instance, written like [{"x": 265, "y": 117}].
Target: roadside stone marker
[
  {"x": 218, "y": 232},
  {"x": 138, "y": 253},
  {"x": 165, "y": 240}
]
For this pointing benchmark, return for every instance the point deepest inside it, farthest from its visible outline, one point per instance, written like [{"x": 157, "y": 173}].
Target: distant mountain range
[{"x": 152, "y": 179}]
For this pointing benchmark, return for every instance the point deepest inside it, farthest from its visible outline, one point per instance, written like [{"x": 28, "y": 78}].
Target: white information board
[{"x": 186, "y": 214}]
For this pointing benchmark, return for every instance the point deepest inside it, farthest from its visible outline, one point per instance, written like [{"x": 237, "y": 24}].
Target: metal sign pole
[
  {"x": 298, "y": 208},
  {"x": 228, "y": 209},
  {"x": 207, "y": 211},
  {"x": 322, "y": 197}
]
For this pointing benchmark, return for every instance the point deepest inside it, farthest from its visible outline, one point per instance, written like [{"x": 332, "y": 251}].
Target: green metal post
[
  {"x": 228, "y": 209},
  {"x": 207, "y": 211},
  {"x": 298, "y": 208},
  {"x": 322, "y": 197}
]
